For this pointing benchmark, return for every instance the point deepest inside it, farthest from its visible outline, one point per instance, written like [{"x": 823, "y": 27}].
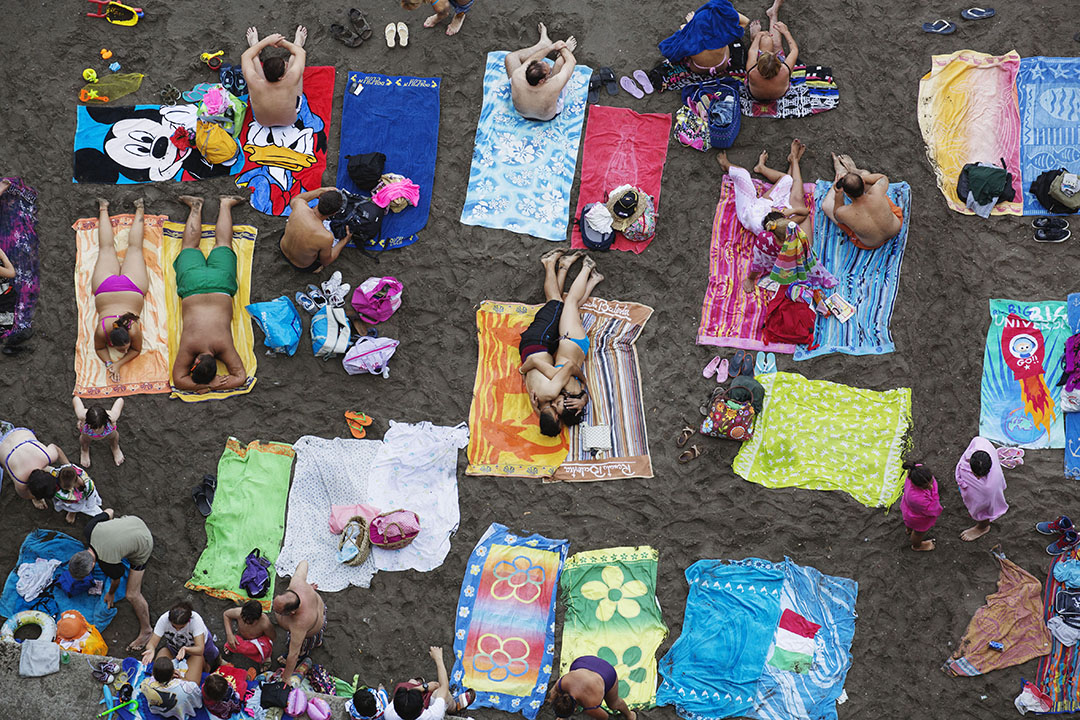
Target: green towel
[
  {"x": 612, "y": 612},
  {"x": 825, "y": 436},
  {"x": 248, "y": 513}
]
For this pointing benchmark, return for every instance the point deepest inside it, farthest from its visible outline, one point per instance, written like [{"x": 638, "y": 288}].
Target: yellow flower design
[{"x": 614, "y": 595}]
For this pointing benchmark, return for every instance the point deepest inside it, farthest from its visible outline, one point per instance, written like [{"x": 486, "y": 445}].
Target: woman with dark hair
[
  {"x": 186, "y": 638},
  {"x": 590, "y": 683},
  {"x": 982, "y": 486},
  {"x": 118, "y": 292},
  {"x": 419, "y": 700}
]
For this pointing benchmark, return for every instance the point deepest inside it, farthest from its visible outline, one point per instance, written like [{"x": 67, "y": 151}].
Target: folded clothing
[
  {"x": 1068, "y": 573},
  {"x": 396, "y": 192}
]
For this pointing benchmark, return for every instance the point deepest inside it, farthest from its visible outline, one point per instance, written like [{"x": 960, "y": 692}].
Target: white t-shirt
[
  {"x": 435, "y": 711},
  {"x": 184, "y": 637}
]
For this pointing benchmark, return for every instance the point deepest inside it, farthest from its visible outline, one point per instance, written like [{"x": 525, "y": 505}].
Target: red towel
[{"x": 621, "y": 147}]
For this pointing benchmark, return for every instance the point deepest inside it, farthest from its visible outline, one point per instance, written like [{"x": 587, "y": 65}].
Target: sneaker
[
  {"x": 1055, "y": 527},
  {"x": 1052, "y": 235},
  {"x": 1066, "y": 542},
  {"x": 1050, "y": 223}
]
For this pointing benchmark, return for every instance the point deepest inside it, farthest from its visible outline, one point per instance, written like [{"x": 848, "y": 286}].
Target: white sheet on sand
[{"x": 414, "y": 467}]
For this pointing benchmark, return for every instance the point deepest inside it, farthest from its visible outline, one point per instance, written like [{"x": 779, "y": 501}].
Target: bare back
[
  {"x": 275, "y": 103},
  {"x": 305, "y": 236},
  {"x": 763, "y": 88},
  {"x": 308, "y": 618},
  {"x": 536, "y": 102},
  {"x": 207, "y": 320},
  {"x": 112, "y": 305},
  {"x": 871, "y": 216}
]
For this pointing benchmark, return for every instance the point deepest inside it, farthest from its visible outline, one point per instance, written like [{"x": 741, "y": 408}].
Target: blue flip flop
[
  {"x": 939, "y": 27},
  {"x": 977, "y": 13},
  {"x": 762, "y": 364},
  {"x": 737, "y": 362},
  {"x": 770, "y": 363}
]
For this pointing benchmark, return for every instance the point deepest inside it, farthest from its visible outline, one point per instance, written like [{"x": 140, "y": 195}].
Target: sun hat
[{"x": 626, "y": 204}]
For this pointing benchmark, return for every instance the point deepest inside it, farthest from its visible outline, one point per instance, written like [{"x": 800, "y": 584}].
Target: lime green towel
[{"x": 248, "y": 513}]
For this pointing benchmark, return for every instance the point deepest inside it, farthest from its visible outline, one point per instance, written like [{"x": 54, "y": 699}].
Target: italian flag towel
[{"x": 793, "y": 644}]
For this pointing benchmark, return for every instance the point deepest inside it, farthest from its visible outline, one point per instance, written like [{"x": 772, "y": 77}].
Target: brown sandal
[
  {"x": 684, "y": 436},
  {"x": 689, "y": 454}
]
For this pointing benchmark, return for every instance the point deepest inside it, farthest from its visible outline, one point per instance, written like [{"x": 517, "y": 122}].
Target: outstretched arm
[
  {"x": 305, "y": 197},
  {"x": 80, "y": 409},
  {"x": 299, "y": 59},
  {"x": 296, "y": 641}
]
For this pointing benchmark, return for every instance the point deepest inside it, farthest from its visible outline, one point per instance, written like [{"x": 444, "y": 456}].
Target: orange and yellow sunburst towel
[{"x": 149, "y": 372}]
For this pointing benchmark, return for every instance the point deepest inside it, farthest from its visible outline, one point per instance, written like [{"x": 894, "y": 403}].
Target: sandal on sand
[
  {"x": 360, "y": 24},
  {"x": 607, "y": 77},
  {"x": 689, "y": 454},
  {"x": 737, "y": 362},
  {"x": 345, "y": 36},
  {"x": 939, "y": 27},
  {"x": 723, "y": 372},
  {"x": 977, "y": 13},
  {"x": 684, "y": 436},
  {"x": 403, "y": 34},
  {"x": 629, "y": 86},
  {"x": 594, "y": 88},
  {"x": 391, "y": 35},
  {"x": 710, "y": 369},
  {"x": 643, "y": 80}
]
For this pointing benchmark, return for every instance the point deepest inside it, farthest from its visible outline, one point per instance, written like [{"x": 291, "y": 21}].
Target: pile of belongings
[
  {"x": 629, "y": 210},
  {"x": 1058, "y": 191}
]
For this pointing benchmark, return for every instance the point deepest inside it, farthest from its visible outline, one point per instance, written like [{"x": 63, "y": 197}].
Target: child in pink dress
[
  {"x": 920, "y": 506},
  {"x": 982, "y": 486}
]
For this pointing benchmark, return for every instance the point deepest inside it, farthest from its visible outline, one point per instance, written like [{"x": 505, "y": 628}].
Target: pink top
[
  {"x": 920, "y": 507},
  {"x": 984, "y": 497}
]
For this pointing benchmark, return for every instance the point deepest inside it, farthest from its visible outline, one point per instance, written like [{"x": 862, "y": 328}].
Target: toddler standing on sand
[
  {"x": 97, "y": 423},
  {"x": 920, "y": 506}
]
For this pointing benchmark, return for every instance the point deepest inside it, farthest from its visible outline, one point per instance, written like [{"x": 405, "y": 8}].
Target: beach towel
[
  {"x": 55, "y": 545},
  {"x": 622, "y": 147},
  {"x": 249, "y": 513},
  {"x": 148, "y": 373},
  {"x": 1012, "y": 616},
  {"x": 731, "y": 317},
  {"x": 615, "y": 397},
  {"x": 279, "y": 163},
  {"x": 812, "y": 90},
  {"x": 968, "y": 113},
  {"x": 504, "y": 631},
  {"x": 522, "y": 170},
  {"x": 868, "y": 279},
  {"x": 399, "y": 117},
  {"x": 1059, "y": 671},
  {"x": 133, "y": 144},
  {"x": 505, "y": 438},
  {"x": 612, "y": 613},
  {"x": 1021, "y": 367},
  {"x": 713, "y": 25},
  {"x": 1049, "y": 98},
  {"x": 243, "y": 245},
  {"x": 19, "y": 241},
  {"x": 810, "y": 653},
  {"x": 732, "y": 612},
  {"x": 821, "y": 435}
]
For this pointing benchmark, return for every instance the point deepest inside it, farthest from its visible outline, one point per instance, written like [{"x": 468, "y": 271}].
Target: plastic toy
[
  {"x": 115, "y": 66},
  {"x": 106, "y": 53},
  {"x": 89, "y": 75},
  {"x": 115, "y": 12},
  {"x": 212, "y": 60},
  {"x": 28, "y": 617},
  {"x": 318, "y": 709},
  {"x": 121, "y": 706}
]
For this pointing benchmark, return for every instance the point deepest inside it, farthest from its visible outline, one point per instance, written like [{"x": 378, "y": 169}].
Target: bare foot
[
  {"x": 748, "y": 285},
  {"x": 774, "y": 10},
  {"x": 566, "y": 261},
  {"x": 118, "y": 455},
  {"x": 455, "y": 24},
  {"x": 139, "y": 203},
  {"x": 571, "y": 43},
  {"x": 102, "y": 204},
  {"x": 70, "y": 518},
  {"x": 432, "y": 21},
  {"x": 974, "y": 533},
  {"x": 193, "y": 202},
  {"x": 231, "y": 200},
  {"x": 596, "y": 277},
  {"x": 925, "y": 545},
  {"x": 848, "y": 163},
  {"x": 543, "y": 32},
  {"x": 252, "y": 36},
  {"x": 797, "y": 150},
  {"x": 762, "y": 159},
  {"x": 301, "y": 36},
  {"x": 838, "y": 167},
  {"x": 550, "y": 257},
  {"x": 84, "y": 458},
  {"x": 755, "y": 28},
  {"x": 139, "y": 644},
  {"x": 723, "y": 162},
  {"x": 4, "y": 185},
  {"x": 587, "y": 263},
  {"x": 40, "y": 504}
]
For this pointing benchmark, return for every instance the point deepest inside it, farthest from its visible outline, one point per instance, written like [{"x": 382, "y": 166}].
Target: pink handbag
[
  {"x": 394, "y": 530},
  {"x": 376, "y": 299}
]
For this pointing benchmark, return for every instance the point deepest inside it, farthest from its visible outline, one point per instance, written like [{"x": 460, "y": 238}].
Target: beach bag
[
  {"x": 366, "y": 170},
  {"x": 280, "y": 323},
  {"x": 214, "y": 142},
  {"x": 744, "y": 388},
  {"x": 330, "y": 332},
  {"x": 360, "y": 538},
  {"x": 321, "y": 682},
  {"x": 723, "y": 111},
  {"x": 1040, "y": 188},
  {"x": 370, "y": 355},
  {"x": 395, "y": 529},
  {"x": 644, "y": 228},
  {"x": 220, "y": 106},
  {"x": 1059, "y": 191},
  {"x": 590, "y": 238},
  {"x": 690, "y": 130},
  {"x": 376, "y": 299},
  {"x": 255, "y": 580},
  {"x": 789, "y": 321},
  {"x": 274, "y": 694},
  {"x": 728, "y": 419}
]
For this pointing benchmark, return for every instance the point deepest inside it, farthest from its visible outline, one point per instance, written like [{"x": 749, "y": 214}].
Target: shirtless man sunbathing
[
  {"x": 553, "y": 347},
  {"x": 768, "y": 71},
  {"x": 302, "y": 613},
  {"x": 22, "y": 453},
  {"x": 535, "y": 86},
  {"x": 871, "y": 219},
  {"x": 307, "y": 244},
  {"x": 275, "y": 84},
  {"x": 206, "y": 285}
]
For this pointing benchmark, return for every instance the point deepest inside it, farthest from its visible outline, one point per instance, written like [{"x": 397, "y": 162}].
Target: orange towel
[{"x": 149, "y": 372}]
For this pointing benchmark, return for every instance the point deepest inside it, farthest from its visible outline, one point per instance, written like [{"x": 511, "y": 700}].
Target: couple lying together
[{"x": 554, "y": 346}]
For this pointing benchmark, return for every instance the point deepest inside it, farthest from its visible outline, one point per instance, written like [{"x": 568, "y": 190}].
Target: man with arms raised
[
  {"x": 275, "y": 84},
  {"x": 308, "y": 244},
  {"x": 302, "y": 613},
  {"x": 535, "y": 86},
  {"x": 206, "y": 285},
  {"x": 871, "y": 219}
]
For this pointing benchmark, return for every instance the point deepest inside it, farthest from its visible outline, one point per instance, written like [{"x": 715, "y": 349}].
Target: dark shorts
[
  {"x": 310, "y": 268},
  {"x": 542, "y": 335},
  {"x": 310, "y": 643}
]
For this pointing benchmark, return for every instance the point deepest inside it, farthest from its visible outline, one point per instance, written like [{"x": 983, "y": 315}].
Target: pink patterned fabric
[
  {"x": 401, "y": 189},
  {"x": 340, "y": 515},
  {"x": 729, "y": 316}
]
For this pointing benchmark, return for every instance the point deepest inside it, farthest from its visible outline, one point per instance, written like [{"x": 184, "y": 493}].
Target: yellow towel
[
  {"x": 243, "y": 334},
  {"x": 149, "y": 372}
]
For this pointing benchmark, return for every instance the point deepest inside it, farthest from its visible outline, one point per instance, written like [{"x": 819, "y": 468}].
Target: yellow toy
[
  {"x": 115, "y": 12},
  {"x": 89, "y": 75},
  {"x": 75, "y": 634},
  {"x": 212, "y": 60}
]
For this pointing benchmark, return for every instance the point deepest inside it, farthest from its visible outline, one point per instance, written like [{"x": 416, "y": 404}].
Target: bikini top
[
  {"x": 106, "y": 317},
  {"x": 105, "y": 431}
]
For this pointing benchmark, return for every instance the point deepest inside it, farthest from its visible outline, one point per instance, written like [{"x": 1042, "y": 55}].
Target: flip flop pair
[
  {"x": 355, "y": 36},
  {"x": 631, "y": 87},
  {"x": 396, "y": 35},
  {"x": 766, "y": 363},
  {"x": 358, "y": 423},
  {"x": 743, "y": 364},
  {"x": 944, "y": 27}
]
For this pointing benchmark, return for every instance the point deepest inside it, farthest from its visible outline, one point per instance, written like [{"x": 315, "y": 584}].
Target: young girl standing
[
  {"x": 97, "y": 423},
  {"x": 982, "y": 486},
  {"x": 920, "y": 506}
]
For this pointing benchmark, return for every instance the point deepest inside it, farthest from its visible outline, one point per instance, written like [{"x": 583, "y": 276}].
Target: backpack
[
  {"x": 370, "y": 355},
  {"x": 365, "y": 170},
  {"x": 376, "y": 299},
  {"x": 590, "y": 238},
  {"x": 255, "y": 580},
  {"x": 644, "y": 228},
  {"x": 360, "y": 215},
  {"x": 1059, "y": 191},
  {"x": 330, "y": 332},
  {"x": 214, "y": 142}
]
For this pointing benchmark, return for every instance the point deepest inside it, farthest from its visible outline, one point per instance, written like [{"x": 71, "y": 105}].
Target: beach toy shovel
[{"x": 115, "y": 12}]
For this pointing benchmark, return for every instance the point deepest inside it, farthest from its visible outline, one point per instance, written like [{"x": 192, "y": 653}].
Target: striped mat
[
  {"x": 868, "y": 279},
  {"x": 1059, "y": 672}
]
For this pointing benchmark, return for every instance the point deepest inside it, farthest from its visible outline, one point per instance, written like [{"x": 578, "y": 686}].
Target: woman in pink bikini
[{"x": 118, "y": 293}]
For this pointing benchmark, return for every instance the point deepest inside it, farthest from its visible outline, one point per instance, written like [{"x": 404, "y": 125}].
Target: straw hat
[{"x": 626, "y": 204}]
